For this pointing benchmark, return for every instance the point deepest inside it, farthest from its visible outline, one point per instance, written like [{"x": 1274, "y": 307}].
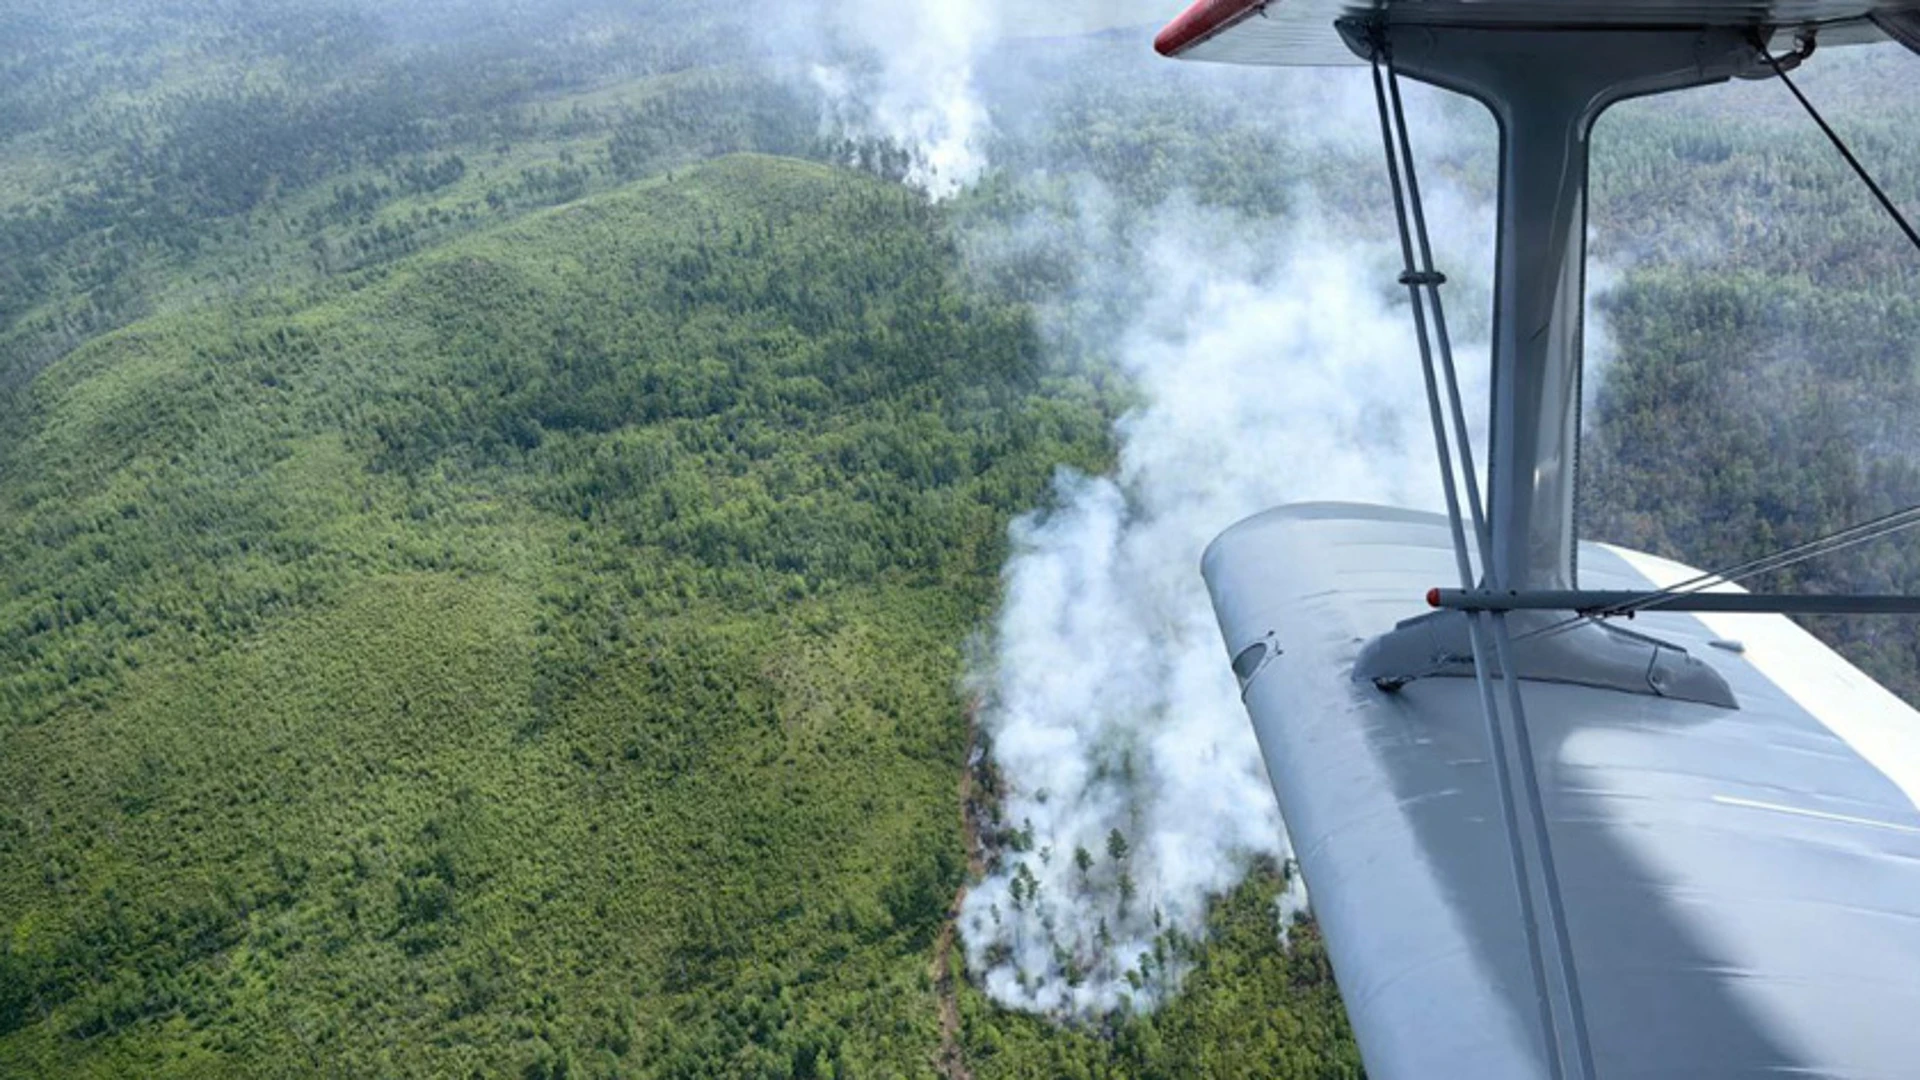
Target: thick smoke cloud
[
  {"x": 906, "y": 73},
  {"x": 1272, "y": 372},
  {"x": 1274, "y": 362},
  {"x": 903, "y": 74}
]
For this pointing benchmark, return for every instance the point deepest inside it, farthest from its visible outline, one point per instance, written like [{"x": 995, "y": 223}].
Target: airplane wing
[
  {"x": 1300, "y": 33},
  {"x": 1742, "y": 885},
  {"x": 1710, "y": 863}
]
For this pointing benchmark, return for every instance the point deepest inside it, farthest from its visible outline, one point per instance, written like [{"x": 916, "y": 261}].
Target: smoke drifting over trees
[
  {"x": 501, "y": 519},
  {"x": 1268, "y": 374},
  {"x": 1270, "y": 365}
]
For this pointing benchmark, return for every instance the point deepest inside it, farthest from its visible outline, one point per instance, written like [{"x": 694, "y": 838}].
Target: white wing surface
[{"x": 1741, "y": 886}]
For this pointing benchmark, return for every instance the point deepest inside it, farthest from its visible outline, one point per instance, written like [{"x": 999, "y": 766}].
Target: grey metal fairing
[
  {"x": 1439, "y": 645},
  {"x": 1742, "y": 886}
]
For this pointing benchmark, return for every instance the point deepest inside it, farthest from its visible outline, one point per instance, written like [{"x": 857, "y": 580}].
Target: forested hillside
[
  {"x": 166, "y": 154},
  {"x": 531, "y": 657},
  {"x": 543, "y": 649},
  {"x": 1766, "y": 373},
  {"x": 495, "y": 502}
]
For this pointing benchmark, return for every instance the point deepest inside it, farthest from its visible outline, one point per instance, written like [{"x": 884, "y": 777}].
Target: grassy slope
[{"x": 371, "y": 715}]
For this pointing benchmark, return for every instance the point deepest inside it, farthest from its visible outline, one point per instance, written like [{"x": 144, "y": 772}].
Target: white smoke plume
[
  {"x": 1276, "y": 371},
  {"x": 903, "y": 73},
  {"x": 1274, "y": 363}
]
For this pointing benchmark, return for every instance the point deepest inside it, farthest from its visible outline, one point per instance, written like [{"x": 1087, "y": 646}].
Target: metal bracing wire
[
  {"x": 1414, "y": 279},
  {"x": 1840, "y": 144},
  {"x": 1842, "y": 540},
  {"x": 1549, "y": 868},
  {"x": 1423, "y": 282},
  {"x": 1489, "y": 632},
  {"x": 1431, "y": 279}
]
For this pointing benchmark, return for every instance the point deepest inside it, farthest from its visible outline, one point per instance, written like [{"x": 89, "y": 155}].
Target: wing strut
[
  {"x": 1562, "y": 1016},
  {"x": 1692, "y": 594}
]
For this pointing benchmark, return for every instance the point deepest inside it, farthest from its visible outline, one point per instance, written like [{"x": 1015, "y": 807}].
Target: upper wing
[
  {"x": 1741, "y": 886},
  {"x": 1301, "y": 33}
]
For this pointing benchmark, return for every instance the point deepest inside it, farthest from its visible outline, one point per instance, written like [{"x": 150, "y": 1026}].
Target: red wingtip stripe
[{"x": 1203, "y": 20}]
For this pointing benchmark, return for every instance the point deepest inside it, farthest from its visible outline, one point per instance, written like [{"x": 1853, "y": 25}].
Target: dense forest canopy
[{"x": 497, "y": 501}]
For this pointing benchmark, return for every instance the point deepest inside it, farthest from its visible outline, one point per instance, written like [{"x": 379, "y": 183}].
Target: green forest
[{"x": 494, "y": 500}]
